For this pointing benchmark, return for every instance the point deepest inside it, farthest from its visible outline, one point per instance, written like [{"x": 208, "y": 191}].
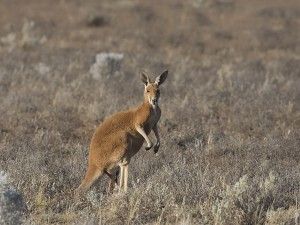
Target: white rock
[
  {"x": 106, "y": 65},
  {"x": 11, "y": 203}
]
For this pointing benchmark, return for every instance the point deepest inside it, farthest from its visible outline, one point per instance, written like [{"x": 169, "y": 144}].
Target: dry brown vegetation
[{"x": 230, "y": 145}]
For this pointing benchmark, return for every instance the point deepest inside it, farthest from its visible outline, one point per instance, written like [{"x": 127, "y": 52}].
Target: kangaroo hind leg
[
  {"x": 113, "y": 175},
  {"x": 123, "y": 178}
]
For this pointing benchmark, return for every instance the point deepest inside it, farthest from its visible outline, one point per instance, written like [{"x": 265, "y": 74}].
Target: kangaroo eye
[{"x": 148, "y": 91}]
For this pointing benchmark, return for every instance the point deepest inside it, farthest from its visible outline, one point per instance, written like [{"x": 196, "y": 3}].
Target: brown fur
[{"x": 120, "y": 137}]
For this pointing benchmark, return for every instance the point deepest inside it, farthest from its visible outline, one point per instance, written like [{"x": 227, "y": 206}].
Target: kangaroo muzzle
[{"x": 153, "y": 101}]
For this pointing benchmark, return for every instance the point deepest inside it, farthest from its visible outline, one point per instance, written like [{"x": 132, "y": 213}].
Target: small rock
[
  {"x": 106, "y": 65},
  {"x": 11, "y": 203}
]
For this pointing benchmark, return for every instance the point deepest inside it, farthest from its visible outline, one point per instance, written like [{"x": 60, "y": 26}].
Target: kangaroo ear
[
  {"x": 145, "y": 78},
  {"x": 161, "y": 78}
]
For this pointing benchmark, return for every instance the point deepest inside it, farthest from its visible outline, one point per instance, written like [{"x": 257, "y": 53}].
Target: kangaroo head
[{"x": 152, "y": 92}]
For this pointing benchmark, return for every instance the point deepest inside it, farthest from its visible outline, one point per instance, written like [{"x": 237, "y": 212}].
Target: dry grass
[{"x": 230, "y": 126}]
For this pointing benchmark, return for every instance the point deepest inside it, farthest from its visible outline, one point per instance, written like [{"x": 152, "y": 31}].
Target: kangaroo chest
[{"x": 152, "y": 120}]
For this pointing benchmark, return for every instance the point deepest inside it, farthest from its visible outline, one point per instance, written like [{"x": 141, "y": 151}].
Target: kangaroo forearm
[
  {"x": 143, "y": 133},
  {"x": 156, "y": 133}
]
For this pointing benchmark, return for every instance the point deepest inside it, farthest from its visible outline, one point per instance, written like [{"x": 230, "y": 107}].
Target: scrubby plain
[{"x": 230, "y": 144}]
